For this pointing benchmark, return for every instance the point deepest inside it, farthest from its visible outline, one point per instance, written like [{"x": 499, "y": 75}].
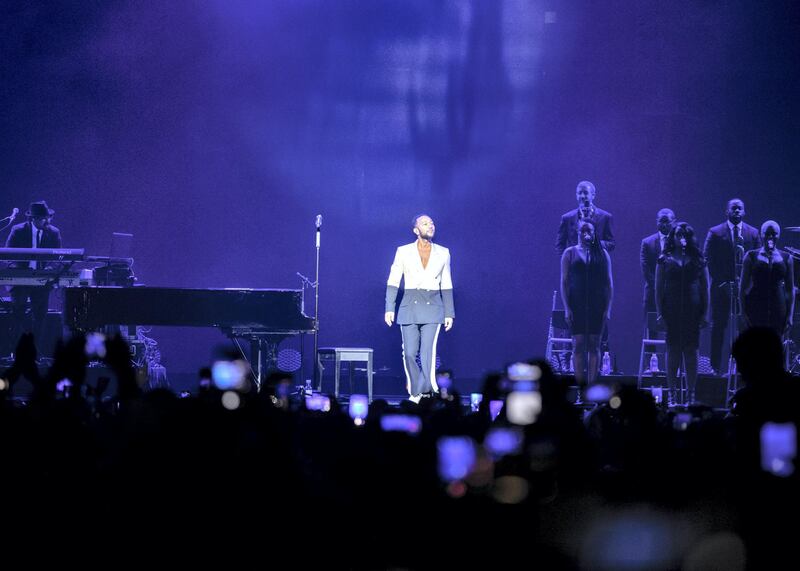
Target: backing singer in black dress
[
  {"x": 682, "y": 303},
  {"x": 767, "y": 286},
  {"x": 586, "y": 290}
]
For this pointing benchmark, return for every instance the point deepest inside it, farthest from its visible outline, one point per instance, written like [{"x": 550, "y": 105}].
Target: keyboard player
[{"x": 37, "y": 232}]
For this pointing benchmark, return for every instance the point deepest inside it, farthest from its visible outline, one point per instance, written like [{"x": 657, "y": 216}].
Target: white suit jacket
[{"x": 428, "y": 292}]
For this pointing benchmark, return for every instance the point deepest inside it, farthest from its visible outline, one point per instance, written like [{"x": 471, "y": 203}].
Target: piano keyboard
[{"x": 11, "y": 277}]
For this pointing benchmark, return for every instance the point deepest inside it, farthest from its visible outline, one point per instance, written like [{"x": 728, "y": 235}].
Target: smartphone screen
[
  {"x": 778, "y": 448},
  {"x": 523, "y": 407},
  {"x": 407, "y": 423},
  {"x": 523, "y": 372},
  {"x": 358, "y": 407},
  {"x": 318, "y": 402},
  {"x": 598, "y": 393},
  {"x": 456, "y": 457},
  {"x": 229, "y": 375},
  {"x": 495, "y": 406},
  {"x": 95, "y": 345},
  {"x": 501, "y": 440},
  {"x": 682, "y": 421}
]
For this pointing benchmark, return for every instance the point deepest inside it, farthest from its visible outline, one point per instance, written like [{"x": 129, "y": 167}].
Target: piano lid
[{"x": 275, "y": 310}]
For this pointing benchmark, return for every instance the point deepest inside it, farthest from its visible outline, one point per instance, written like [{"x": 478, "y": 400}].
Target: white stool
[{"x": 345, "y": 355}]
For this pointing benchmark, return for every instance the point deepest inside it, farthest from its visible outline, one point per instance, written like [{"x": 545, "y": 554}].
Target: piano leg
[
  {"x": 255, "y": 355},
  {"x": 302, "y": 358},
  {"x": 320, "y": 370},
  {"x": 264, "y": 351}
]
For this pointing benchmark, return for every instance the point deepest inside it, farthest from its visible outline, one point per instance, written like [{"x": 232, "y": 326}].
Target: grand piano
[
  {"x": 262, "y": 316},
  {"x": 277, "y": 311}
]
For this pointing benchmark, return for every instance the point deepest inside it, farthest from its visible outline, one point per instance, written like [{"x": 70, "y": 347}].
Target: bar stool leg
[
  {"x": 320, "y": 369},
  {"x": 351, "y": 377},
  {"x": 336, "y": 375},
  {"x": 369, "y": 376}
]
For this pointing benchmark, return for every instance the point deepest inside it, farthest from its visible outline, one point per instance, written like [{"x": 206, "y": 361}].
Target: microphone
[
  {"x": 739, "y": 253},
  {"x": 770, "y": 244},
  {"x": 318, "y": 222},
  {"x": 683, "y": 242},
  {"x": 794, "y": 252},
  {"x": 14, "y": 213}
]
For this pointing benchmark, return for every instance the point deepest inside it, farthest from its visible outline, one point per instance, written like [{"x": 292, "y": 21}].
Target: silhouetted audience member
[
  {"x": 629, "y": 441},
  {"x": 24, "y": 362},
  {"x": 768, "y": 393},
  {"x": 765, "y": 415}
]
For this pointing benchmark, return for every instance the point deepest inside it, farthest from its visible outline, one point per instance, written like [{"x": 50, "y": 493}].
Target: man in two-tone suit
[
  {"x": 724, "y": 251},
  {"x": 427, "y": 304},
  {"x": 600, "y": 219},
  {"x": 651, "y": 249},
  {"x": 37, "y": 232}
]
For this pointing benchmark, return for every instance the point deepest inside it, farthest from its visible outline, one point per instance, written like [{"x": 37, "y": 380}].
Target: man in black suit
[
  {"x": 651, "y": 249},
  {"x": 600, "y": 219},
  {"x": 37, "y": 232},
  {"x": 724, "y": 250}
]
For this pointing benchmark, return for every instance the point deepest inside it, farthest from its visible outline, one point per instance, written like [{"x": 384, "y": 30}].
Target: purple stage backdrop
[{"x": 216, "y": 131}]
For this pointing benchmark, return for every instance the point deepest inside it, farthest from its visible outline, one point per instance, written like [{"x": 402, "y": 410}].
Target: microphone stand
[
  {"x": 317, "y": 377},
  {"x": 734, "y": 313},
  {"x": 10, "y": 219},
  {"x": 792, "y": 358},
  {"x": 585, "y": 213}
]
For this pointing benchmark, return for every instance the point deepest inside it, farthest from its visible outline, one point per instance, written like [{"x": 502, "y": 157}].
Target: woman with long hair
[
  {"x": 682, "y": 301},
  {"x": 586, "y": 290}
]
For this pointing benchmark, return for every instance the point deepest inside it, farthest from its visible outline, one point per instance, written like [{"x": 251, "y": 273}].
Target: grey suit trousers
[{"x": 420, "y": 338}]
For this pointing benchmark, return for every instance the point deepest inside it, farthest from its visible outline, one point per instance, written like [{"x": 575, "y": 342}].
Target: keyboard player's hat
[{"x": 38, "y": 209}]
